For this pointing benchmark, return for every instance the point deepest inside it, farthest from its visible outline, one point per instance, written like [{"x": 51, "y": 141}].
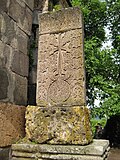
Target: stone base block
[
  {"x": 12, "y": 123},
  {"x": 58, "y": 125},
  {"x": 97, "y": 150},
  {"x": 5, "y": 153}
]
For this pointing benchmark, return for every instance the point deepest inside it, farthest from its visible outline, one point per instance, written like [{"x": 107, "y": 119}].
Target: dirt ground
[{"x": 114, "y": 154}]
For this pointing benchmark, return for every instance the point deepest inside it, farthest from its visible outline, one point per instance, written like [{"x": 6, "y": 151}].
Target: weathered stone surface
[
  {"x": 98, "y": 150},
  {"x": 22, "y": 41},
  {"x": 27, "y": 23},
  {"x": 58, "y": 125},
  {"x": 13, "y": 87},
  {"x": 0, "y": 24},
  {"x": 5, "y": 153},
  {"x": 97, "y": 147},
  {"x": 8, "y": 30},
  {"x": 2, "y": 46},
  {"x": 6, "y": 57},
  {"x": 21, "y": 14},
  {"x": 12, "y": 35},
  {"x": 30, "y": 3},
  {"x": 60, "y": 21},
  {"x": 3, "y": 6},
  {"x": 20, "y": 63},
  {"x": 12, "y": 121},
  {"x": 20, "y": 90},
  {"x": 7, "y": 84},
  {"x": 16, "y": 10},
  {"x": 4, "y": 83},
  {"x": 15, "y": 28},
  {"x": 60, "y": 76}
]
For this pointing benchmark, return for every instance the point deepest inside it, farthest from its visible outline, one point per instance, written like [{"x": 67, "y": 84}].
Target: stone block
[
  {"x": 58, "y": 125},
  {"x": 62, "y": 20},
  {"x": 20, "y": 63},
  {"x": 12, "y": 35},
  {"x": 5, "y": 153},
  {"x": 2, "y": 46},
  {"x": 16, "y": 10},
  {"x": 5, "y": 55},
  {"x": 21, "y": 14},
  {"x": 97, "y": 150},
  {"x": 4, "y": 83},
  {"x": 3, "y": 5},
  {"x": 12, "y": 123},
  {"x": 30, "y": 3},
  {"x": 27, "y": 23},
  {"x": 22, "y": 41},
  {"x": 20, "y": 90},
  {"x": 8, "y": 30},
  {"x": 13, "y": 87}
]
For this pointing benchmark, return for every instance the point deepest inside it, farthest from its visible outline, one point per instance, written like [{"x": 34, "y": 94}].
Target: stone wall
[{"x": 15, "y": 29}]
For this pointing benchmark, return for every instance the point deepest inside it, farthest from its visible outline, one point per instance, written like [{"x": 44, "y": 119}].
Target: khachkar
[{"x": 60, "y": 116}]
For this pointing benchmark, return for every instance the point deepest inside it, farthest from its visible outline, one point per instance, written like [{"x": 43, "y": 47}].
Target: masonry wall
[{"x": 15, "y": 30}]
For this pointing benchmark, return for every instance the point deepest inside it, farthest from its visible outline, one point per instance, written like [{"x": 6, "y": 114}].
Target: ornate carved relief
[{"x": 60, "y": 69}]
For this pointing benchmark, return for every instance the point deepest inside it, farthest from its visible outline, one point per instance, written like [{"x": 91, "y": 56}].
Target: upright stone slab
[
  {"x": 61, "y": 116},
  {"x": 60, "y": 76}
]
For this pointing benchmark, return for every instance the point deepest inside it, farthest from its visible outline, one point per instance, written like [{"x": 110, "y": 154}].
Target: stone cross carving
[{"x": 60, "y": 77}]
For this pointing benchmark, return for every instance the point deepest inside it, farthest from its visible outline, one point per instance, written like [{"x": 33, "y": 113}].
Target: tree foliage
[{"x": 102, "y": 65}]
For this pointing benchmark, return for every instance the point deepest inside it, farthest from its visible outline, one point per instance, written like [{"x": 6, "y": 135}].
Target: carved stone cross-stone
[
  {"x": 60, "y": 77},
  {"x": 60, "y": 116}
]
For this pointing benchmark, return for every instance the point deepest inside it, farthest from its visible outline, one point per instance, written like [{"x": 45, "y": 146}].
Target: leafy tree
[
  {"x": 102, "y": 65},
  {"x": 114, "y": 23}
]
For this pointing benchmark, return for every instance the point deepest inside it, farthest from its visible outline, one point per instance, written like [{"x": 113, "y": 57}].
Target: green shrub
[{"x": 95, "y": 122}]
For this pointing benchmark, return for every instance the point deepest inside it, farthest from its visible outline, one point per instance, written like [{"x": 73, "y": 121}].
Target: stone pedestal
[
  {"x": 58, "y": 125},
  {"x": 98, "y": 150}
]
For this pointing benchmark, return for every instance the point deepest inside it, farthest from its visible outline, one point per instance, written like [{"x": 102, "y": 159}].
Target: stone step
[{"x": 97, "y": 150}]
